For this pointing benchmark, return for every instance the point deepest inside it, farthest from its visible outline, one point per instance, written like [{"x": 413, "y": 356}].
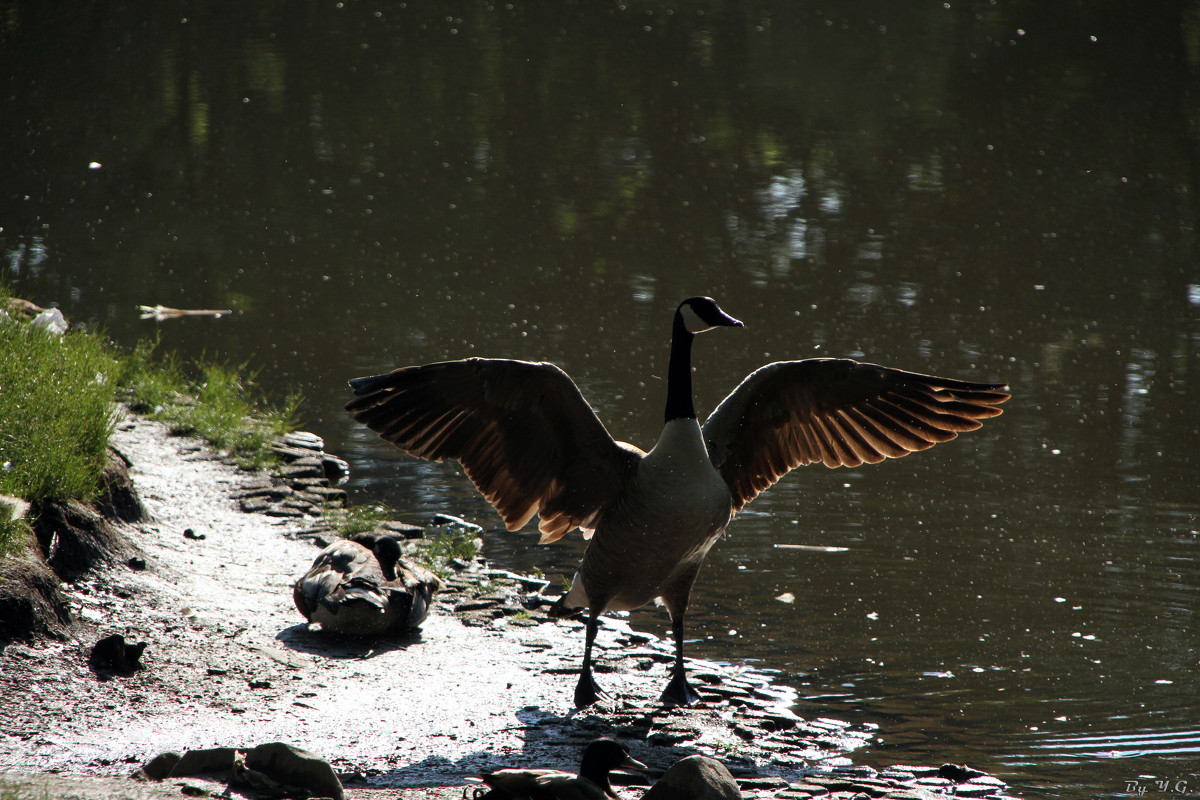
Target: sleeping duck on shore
[{"x": 362, "y": 586}]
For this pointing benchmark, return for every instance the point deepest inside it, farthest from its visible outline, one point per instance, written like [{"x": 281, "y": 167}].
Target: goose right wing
[
  {"x": 838, "y": 412},
  {"x": 522, "y": 431}
]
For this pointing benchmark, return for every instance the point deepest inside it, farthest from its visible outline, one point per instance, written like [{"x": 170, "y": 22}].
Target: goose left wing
[
  {"x": 839, "y": 412},
  {"x": 522, "y": 431}
]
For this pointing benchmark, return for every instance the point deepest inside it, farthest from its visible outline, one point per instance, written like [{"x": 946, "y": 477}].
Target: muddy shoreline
[{"x": 485, "y": 683}]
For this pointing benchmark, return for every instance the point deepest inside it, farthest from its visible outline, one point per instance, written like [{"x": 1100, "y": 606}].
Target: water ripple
[{"x": 1122, "y": 745}]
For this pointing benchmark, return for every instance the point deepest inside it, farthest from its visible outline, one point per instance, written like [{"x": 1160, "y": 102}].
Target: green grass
[
  {"x": 56, "y": 415},
  {"x": 57, "y": 403},
  {"x": 215, "y": 402},
  {"x": 357, "y": 519},
  {"x": 441, "y": 545},
  {"x": 446, "y": 544}
]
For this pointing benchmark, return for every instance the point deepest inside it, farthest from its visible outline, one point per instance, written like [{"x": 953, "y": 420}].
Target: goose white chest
[
  {"x": 664, "y": 526},
  {"x": 678, "y": 487}
]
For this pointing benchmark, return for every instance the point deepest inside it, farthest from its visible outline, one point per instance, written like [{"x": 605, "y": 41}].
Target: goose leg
[
  {"x": 679, "y": 692},
  {"x": 586, "y": 691}
]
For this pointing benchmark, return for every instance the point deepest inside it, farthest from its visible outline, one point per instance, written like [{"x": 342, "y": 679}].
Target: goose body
[
  {"x": 592, "y": 783},
  {"x": 533, "y": 446},
  {"x": 672, "y": 510},
  {"x": 361, "y": 585}
]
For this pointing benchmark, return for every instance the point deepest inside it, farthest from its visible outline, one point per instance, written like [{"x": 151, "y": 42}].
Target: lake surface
[{"x": 982, "y": 190}]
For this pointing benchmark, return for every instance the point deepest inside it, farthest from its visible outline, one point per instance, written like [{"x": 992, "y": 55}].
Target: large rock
[
  {"x": 291, "y": 766},
  {"x": 276, "y": 769},
  {"x": 695, "y": 778}
]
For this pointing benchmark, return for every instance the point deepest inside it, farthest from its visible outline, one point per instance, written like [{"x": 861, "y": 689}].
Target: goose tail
[{"x": 571, "y": 602}]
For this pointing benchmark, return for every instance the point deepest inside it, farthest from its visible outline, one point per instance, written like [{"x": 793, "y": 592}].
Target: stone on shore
[{"x": 695, "y": 778}]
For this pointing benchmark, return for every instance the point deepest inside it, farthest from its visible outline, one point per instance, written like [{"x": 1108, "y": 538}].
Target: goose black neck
[
  {"x": 597, "y": 774},
  {"x": 679, "y": 373}
]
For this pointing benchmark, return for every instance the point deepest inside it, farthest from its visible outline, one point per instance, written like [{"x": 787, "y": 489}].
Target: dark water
[{"x": 992, "y": 191}]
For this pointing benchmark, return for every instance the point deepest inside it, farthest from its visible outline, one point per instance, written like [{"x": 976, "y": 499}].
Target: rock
[
  {"x": 277, "y": 769},
  {"x": 337, "y": 470},
  {"x": 303, "y": 468},
  {"x": 254, "y": 505},
  {"x": 695, "y": 778},
  {"x": 118, "y": 498},
  {"x": 12, "y": 508},
  {"x": 292, "y": 766},
  {"x": 449, "y": 520},
  {"x": 114, "y": 655},
  {"x": 159, "y": 767},
  {"x": 51, "y": 321},
  {"x": 330, "y": 494},
  {"x": 301, "y": 445},
  {"x": 303, "y": 440},
  {"x": 958, "y": 773},
  {"x": 404, "y": 530},
  {"x": 23, "y": 309},
  {"x": 673, "y": 733},
  {"x": 203, "y": 762}
]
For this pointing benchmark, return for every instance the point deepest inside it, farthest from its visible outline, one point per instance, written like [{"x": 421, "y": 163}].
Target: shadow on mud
[
  {"x": 302, "y": 638},
  {"x": 550, "y": 741}
]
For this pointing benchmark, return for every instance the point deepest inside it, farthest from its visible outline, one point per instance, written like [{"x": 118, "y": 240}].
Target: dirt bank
[{"x": 228, "y": 662}]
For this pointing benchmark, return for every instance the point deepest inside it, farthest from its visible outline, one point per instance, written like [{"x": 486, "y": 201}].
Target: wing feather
[
  {"x": 522, "y": 431},
  {"x": 839, "y": 412}
]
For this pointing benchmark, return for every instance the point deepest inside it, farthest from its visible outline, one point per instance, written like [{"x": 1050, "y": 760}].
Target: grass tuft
[
  {"x": 215, "y": 402},
  {"x": 56, "y": 416},
  {"x": 357, "y": 519},
  {"x": 57, "y": 404},
  {"x": 443, "y": 545}
]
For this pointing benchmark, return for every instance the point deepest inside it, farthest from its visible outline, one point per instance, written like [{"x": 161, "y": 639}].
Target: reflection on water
[
  {"x": 1121, "y": 745},
  {"x": 988, "y": 191}
]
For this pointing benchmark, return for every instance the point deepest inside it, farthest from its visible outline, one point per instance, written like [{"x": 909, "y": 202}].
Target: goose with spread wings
[{"x": 530, "y": 442}]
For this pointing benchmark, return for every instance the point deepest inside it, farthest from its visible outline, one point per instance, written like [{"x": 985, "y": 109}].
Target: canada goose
[
  {"x": 532, "y": 445},
  {"x": 354, "y": 586},
  {"x": 599, "y": 758}
]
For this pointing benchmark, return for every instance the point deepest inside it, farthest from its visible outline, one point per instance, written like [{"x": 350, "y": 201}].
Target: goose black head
[
  {"x": 386, "y": 549},
  {"x": 701, "y": 314},
  {"x": 603, "y": 755}
]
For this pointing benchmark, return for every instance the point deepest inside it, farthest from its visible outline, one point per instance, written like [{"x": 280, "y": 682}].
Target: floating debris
[
  {"x": 161, "y": 313},
  {"x": 814, "y": 548}
]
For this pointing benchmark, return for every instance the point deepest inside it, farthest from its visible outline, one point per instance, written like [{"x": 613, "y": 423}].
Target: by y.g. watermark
[{"x": 1172, "y": 787}]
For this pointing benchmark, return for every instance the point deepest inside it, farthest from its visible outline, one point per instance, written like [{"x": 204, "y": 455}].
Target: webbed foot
[
  {"x": 587, "y": 692},
  {"x": 679, "y": 692}
]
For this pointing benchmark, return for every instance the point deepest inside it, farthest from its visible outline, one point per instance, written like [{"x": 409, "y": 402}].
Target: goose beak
[
  {"x": 632, "y": 763},
  {"x": 723, "y": 319}
]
